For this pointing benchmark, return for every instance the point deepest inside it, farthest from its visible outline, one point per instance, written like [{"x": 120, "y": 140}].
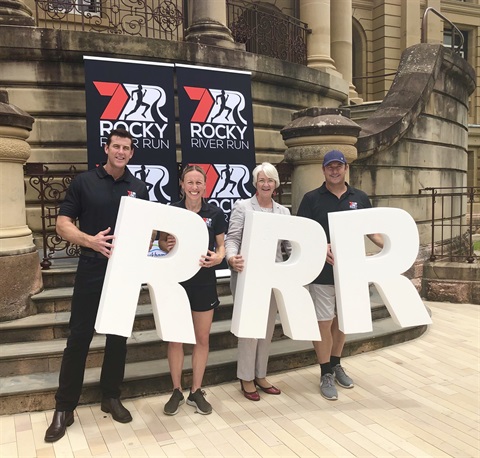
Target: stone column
[
  {"x": 309, "y": 136},
  {"x": 209, "y": 19},
  {"x": 341, "y": 43},
  {"x": 316, "y": 13},
  {"x": 19, "y": 261},
  {"x": 411, "y": 24},
  {"x": 15, "y": 12}
]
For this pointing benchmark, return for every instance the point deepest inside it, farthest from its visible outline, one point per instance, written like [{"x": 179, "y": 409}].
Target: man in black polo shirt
[
  {"x": 94, "y": 199},
  {"x": 334, "y": 195}
]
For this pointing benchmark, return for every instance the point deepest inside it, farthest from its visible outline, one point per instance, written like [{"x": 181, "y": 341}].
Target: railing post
[
  {"x": 432, "y": 250},
  {"x": 46, "y": 263},
  {"x": 471, "y": 196}
]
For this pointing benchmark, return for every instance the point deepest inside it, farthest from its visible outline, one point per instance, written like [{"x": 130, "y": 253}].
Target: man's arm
[
  {"x": 100, "y": 242},
  {"x": 377, "y": 239}
]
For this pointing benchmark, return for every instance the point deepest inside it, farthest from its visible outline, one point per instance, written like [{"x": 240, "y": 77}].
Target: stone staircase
[{"x": 31, "y": 348}]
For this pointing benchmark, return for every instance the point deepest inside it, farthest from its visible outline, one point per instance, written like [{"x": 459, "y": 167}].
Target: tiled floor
[{"x": 418, "y": 399}]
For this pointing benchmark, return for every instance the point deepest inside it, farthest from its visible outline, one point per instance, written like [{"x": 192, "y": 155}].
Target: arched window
[{"x": 359, "y": 60}]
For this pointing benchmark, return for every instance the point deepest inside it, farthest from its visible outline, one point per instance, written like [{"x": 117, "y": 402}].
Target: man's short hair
[{"x": 119, "y": 133}]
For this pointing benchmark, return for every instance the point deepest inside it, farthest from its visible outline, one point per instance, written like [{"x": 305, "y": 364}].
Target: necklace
[{"x": 266, "y": 210}]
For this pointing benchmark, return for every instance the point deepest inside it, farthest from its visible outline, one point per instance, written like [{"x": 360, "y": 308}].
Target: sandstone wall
[{"x": 44, "y": 75}]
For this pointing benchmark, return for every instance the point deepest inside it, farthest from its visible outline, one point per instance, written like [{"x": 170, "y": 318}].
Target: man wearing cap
[{"x": 334, "y": 195}]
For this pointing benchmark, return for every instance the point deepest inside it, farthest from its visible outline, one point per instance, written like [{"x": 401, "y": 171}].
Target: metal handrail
[
  {"x": 441, "y": 16},
  {"x": 450, "y": 246}
]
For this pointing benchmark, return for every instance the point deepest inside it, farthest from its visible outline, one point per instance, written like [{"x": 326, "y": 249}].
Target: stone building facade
[{"x": 349, "y": 56}]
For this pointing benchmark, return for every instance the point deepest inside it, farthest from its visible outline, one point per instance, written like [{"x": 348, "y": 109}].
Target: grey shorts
[{"x": 324, "y": 300}]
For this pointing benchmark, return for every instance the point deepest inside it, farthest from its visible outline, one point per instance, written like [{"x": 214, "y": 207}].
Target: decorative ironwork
[
  {"x": 453, "y": 223},
  {"x": 142, "y": 18},
  {"x": 266, "y": 30},
  {"x": 260, "y": 26},
  {"x": 51, "y": 187}
]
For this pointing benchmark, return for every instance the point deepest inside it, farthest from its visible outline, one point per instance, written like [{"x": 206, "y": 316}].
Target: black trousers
[{"x": 85, "y": 302}]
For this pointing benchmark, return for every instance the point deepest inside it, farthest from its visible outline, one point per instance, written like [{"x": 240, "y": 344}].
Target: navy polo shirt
[
  {"x": 94, "y": 198},
  {"x": 317, "y": 204},
  {"x": 216, "y": 224}
]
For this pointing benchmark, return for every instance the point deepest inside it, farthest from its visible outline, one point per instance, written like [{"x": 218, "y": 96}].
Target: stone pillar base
[
  {"x": 213, "y": 33},
  {"x": 308, "y": 137},
  {"x": 16, "y": 240},
  {"x": 15, "y": 13},
  {"x": 21, "y": 278}
]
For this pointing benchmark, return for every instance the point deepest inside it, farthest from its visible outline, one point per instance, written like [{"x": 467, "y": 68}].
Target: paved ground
[{"x": 417, "y": 399}]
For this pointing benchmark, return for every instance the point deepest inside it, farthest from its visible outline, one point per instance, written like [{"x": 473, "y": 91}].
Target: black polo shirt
[
  {"x": 317, "y": 204},
  {"x": 215, "y": 221},
  {"x": 94, "y": 198}
]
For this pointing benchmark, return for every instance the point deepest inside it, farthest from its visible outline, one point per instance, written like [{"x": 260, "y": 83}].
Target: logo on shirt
[
  {"x": 353, "y": 205},
  {"x": 208, "y": 221},
  {"x": 131, "y": 194}
]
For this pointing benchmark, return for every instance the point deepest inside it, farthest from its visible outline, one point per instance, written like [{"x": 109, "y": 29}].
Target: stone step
[
  {"x": 45, "y": 326},
  {"x": 21, "y": 357},
  {"x": 53, "y": 324},
  {"x": 57, "y": 299},
  {"x": 32, "y": 392},
  {"x": 46, "y": 356},
  {"x": 34, "y": 368},
  {"x": 445, "y": 281},
  {"x": 57, "y": 277}
]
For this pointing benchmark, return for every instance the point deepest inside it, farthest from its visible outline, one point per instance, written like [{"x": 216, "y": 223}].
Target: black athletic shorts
[{"x": 202, "y": 297}]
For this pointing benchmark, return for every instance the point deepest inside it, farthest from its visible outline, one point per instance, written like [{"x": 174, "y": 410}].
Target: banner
[
  {"x": 216, "y": 128},
  {"x": 139, "y": 97}
]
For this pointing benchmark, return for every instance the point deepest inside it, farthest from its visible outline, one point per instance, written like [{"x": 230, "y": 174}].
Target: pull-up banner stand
[
  {"x": 137, "y": 96},
  {"x": 216, "y": 127}
]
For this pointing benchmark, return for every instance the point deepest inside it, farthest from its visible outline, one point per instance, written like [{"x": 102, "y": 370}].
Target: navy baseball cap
[{"x": 334, "y": 156}]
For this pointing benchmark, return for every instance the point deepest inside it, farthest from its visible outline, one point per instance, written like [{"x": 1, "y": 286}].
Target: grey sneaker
[
  {"x": 341, "y": 377},
  {"x": 175, "y": 401},
  {"x": 198, "y": 400},
  {"x": 327, "y": 387}
]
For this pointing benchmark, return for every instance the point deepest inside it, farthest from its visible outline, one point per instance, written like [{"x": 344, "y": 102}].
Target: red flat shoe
[
  {"x": 270, "y": 390},
  {"x": 250, "y": 395}
]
